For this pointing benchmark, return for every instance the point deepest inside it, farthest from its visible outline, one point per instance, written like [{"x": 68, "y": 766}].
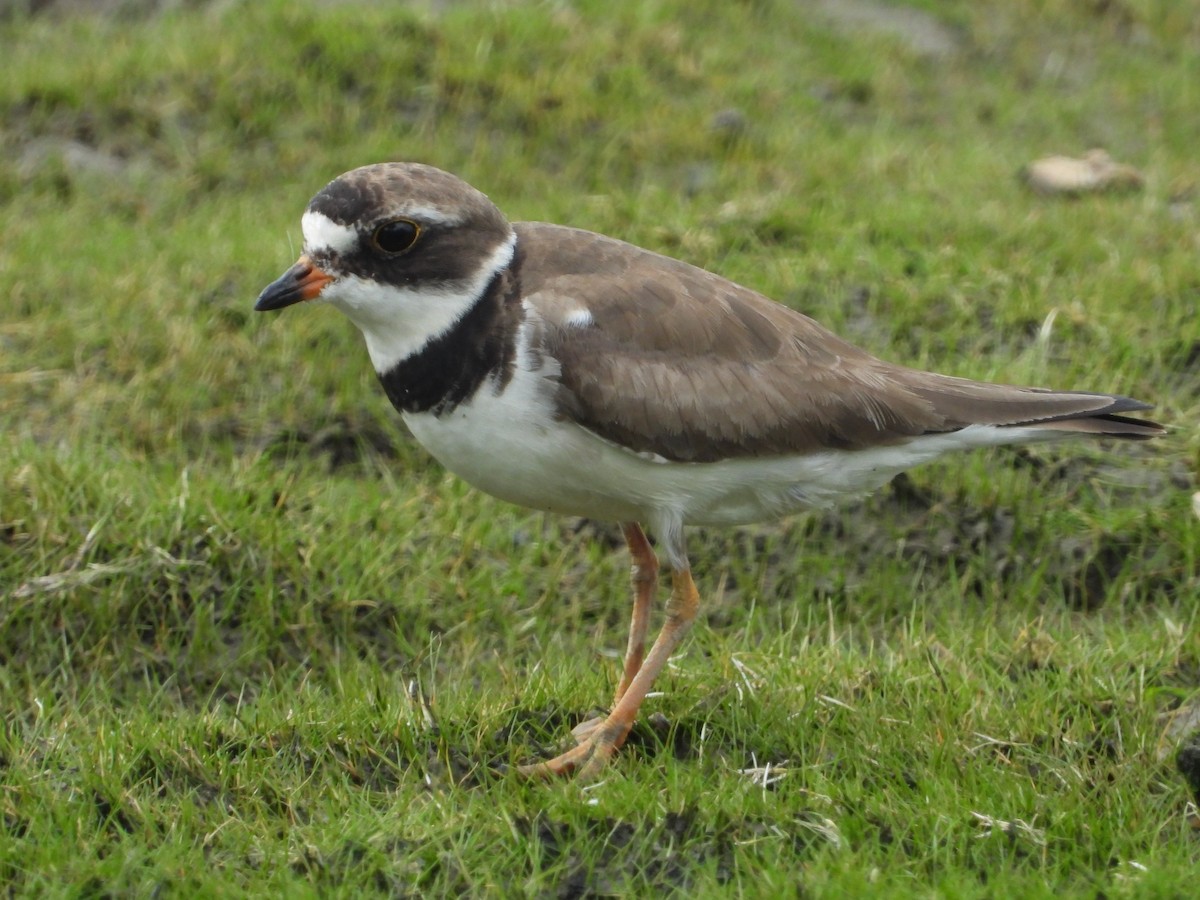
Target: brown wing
[{"x": 673, "y": 360}]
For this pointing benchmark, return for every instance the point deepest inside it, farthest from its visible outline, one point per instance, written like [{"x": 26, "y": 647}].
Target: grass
[{"x": 253, "y": 641}]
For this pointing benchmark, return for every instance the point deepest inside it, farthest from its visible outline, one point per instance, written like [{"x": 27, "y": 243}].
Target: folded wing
[{"x": 692, "y": 367}]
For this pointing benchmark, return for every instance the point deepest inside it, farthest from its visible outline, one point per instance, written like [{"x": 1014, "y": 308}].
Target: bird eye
[{"x": 396, "y": 236}]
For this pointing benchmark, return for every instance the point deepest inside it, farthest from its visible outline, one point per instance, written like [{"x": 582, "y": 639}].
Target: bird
[{"x": 566, "y": 371}]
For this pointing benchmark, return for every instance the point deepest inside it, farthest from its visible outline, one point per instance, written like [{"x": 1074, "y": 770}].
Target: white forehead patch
[{"x": 321, "y": 233}]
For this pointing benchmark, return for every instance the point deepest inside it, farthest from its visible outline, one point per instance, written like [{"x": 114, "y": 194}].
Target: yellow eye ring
[{"x": 396, "y": 236}]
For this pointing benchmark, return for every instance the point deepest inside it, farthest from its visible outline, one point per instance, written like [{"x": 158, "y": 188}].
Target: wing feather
[{"x": 679, "y": 362}]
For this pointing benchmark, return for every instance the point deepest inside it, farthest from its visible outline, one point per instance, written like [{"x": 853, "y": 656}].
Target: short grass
[{"x": 253, "y": 641}]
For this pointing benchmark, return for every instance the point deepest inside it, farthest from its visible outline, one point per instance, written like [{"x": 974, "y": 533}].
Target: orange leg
[
  {"x": 644, "y": 575},
  {"x": 587, "y": 760}
]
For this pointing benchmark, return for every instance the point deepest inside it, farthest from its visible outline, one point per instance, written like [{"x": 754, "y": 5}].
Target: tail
[
  {"x": 1107, "y": 424},
  {"x": 963, "y": 403}
]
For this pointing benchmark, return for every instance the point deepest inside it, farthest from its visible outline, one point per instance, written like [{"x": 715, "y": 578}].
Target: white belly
[{"x": 510, "y": 446}]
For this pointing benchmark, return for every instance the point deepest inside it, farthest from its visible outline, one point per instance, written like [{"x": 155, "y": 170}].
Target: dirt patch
[
  {"x": 1188, "y": 763},
  {"x": 341, "y": 442},
  {"x": 658, "y": 853}
]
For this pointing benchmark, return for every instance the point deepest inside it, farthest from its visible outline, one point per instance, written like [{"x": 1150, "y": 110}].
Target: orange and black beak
[{"x": 303, "y": 281}]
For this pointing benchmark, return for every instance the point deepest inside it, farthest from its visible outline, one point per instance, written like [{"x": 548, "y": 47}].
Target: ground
[{"x": 254, "y": 641}]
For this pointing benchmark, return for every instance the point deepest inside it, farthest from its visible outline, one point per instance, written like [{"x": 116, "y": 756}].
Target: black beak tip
[
  {"x": 267, "y": 302},
  {"x": 303, "y": 281},
  {"x": 283, "y": 291}
]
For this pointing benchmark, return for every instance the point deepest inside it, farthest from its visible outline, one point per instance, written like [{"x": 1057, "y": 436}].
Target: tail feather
[
  {"x": 1105, "y": 425},
  {"x": 963, "y": 403}
]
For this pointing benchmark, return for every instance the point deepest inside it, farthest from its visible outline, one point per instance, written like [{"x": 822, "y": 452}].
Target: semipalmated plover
[{"x": 571, "y": 372}]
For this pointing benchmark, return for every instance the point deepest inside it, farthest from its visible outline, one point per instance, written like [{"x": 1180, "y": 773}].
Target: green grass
[{"x": 253, "y": 641}]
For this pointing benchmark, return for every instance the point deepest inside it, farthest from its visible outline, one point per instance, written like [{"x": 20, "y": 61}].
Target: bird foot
[
  {"x": 584, "y": 730},
  {"x": 585, "y": 761}
]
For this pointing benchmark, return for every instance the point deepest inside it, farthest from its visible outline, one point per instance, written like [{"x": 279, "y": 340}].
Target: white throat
[{"x": 398, "y": 321}]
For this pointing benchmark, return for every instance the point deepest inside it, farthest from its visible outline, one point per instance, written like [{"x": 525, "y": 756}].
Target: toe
[{"x": 585, "y": 730}]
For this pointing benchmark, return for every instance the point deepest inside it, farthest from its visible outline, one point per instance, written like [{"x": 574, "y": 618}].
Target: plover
[{"x": 571, "y": 372}]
